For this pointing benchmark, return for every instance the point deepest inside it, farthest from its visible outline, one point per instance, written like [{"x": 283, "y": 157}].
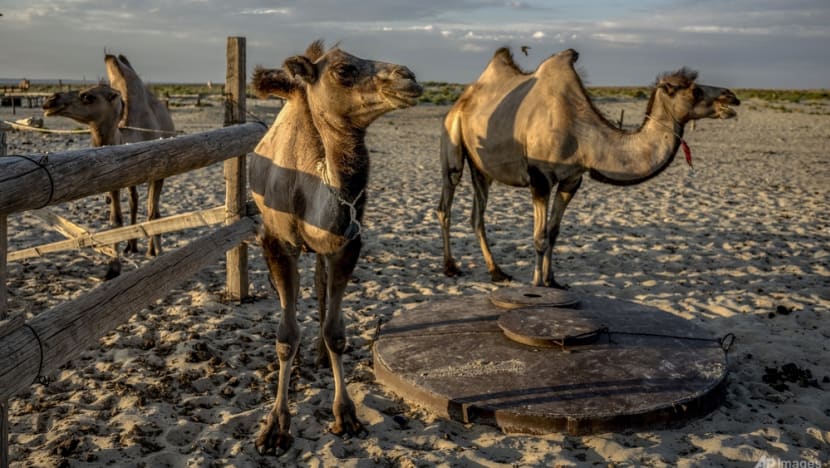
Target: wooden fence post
[
  {"x": 3, "y": 243},
  {"x": 235, "y": 169},
  {"x": 4, "y": 402}
]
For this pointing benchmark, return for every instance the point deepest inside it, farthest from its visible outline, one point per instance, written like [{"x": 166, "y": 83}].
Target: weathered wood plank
[
  {"x": 27, "y": 184},
  {"x": 235, "y": 170},
  {"x": 4, "y": 433},
  {"x": 69, "y": 230},
  {"x": 4, "y": 230},
  {"x": 146, "y": 229},
  {"x": 7, "y": 324},
  {"x": 73, "y": 326},
  {"x": 11, "y": 324}
]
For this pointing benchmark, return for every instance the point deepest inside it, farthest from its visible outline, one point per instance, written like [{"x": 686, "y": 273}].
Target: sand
[{"x": 740, "y": 244}]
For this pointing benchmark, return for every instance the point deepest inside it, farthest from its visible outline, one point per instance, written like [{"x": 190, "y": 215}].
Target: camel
[
  {"x": 541, "y": 130},
  {"x": 100, "y": 107},
  {"x": 143, "y": 113},
  {"x": 308, "y": 177}
]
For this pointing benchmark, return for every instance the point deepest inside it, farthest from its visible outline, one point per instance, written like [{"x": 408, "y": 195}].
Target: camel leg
[
  {"x": 540, "y": 195},
  {"x": 153, "y": 212},
  {"x": 452, "y": 166},
  {"x": 132, "y": 244},
  {"x": 563, "y": 196},
  {"x": 340, "y": 267},
  {"x": 320, "y": 286},
  {"x": 481, "y": 191},
  {"x": 282, "y": 264},
  {"x": 116, "y": 220}
]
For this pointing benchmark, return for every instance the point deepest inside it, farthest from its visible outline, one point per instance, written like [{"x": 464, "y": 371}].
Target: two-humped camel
[
  {"x": 308, "y": 177},
  {"x": 145, "y": 118},
  {"x": 100, "y": 107},
  {"x": 541, "y": 130}
]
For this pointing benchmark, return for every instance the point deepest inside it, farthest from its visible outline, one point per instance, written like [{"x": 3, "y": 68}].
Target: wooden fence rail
[
  {"x": 29, "y": 183},
  {"x": 103, "y": 240},
  {"x": 56, "y": 336}
]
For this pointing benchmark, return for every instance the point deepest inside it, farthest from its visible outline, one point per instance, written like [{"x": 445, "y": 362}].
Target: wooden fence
[{"x": 29, "y": 350}]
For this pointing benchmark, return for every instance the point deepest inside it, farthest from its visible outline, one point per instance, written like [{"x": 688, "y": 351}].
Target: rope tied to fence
[
  {"x": 152, "y": 130},
  {"x": 42, "y": 165},
  {"x": 254, "y": 116},
  {"x": 19, "y": 126},
  {"x": 39, "y": 378}
]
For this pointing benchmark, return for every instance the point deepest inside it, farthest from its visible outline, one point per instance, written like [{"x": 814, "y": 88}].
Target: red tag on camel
[{"x": 687, "y": 152}]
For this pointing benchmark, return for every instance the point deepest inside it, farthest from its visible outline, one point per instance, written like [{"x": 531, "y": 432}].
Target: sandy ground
[{"x": 740, "y": 244}]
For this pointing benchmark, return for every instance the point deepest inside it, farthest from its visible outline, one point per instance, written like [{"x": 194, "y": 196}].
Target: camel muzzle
[
  {"x": 52, "y": 106},
  {"x": 723, "y": 103}
]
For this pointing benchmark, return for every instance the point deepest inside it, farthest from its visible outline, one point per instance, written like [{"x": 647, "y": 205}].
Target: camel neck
[
  {"x": 628, "y": 158},
  {"x": 346, "y": 163},
  {"x": 105, "y": 133}
]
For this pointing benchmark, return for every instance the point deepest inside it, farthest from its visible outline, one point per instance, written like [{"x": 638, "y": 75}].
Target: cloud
[
  {"x": 266, "y": 11},
  {"x": 619, "y": 38},
  {"x": 452, "y": 39}
]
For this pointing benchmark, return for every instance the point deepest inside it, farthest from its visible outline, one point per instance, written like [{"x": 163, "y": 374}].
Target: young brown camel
[
  {"x": 143, "y": 113},
  {"x": 308, "y": 178},
  {"x": 541, "y": 130},
  {"x": 100, "y": 107}
]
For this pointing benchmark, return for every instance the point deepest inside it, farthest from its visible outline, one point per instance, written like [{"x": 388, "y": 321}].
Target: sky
[{"x": 732, "y": 43}]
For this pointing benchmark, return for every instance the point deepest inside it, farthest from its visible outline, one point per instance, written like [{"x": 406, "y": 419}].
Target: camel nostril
[
  {"x": 405, "y": 73},
  {"x": 730, "y": 98}
]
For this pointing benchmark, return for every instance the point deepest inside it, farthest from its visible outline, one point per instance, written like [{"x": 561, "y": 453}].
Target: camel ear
[
  {"x": 301, "y": 67},
  {"x": 667, "y": 87},
  {"x": 269, "y": 81},
  {"x": 112, "y": 95}
]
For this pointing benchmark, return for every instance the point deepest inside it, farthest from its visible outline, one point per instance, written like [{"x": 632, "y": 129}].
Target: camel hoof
[
  {"x": 113, "y": 269},
  {"x": 154, "y": 249},
  {"x": 451, "y": 269},
  {"x": 131, "y": 247},
  {"x": 556, "y": 285},
  {"x": 349, "y": 425},
  {"x": 498, "y": 276},
  {"x": 273, "y": 441}
]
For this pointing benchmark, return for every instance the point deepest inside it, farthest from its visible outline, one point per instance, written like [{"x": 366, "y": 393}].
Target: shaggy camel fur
[
  {"x": 143, "y": 112},
  {"x": 100, "y": 107},
  {"x": 308, "y": 177},
  {"x": 541, "y": 130}
]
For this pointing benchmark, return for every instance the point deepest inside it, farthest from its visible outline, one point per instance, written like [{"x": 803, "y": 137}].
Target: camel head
[
  {"x": 89, "y": 106},
  {"x": 340, "y": 85},
  {"x": 685, "y": 100}
]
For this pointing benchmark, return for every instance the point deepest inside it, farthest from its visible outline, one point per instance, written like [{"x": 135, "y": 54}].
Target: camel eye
[
  {"x": 697, "y": 93},
  {"x": 345, "y": 72},
  {"x": 87, "y": 98}
]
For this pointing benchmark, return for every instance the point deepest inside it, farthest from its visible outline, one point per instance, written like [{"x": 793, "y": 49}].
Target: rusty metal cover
[
  {"x": 550, "y": 327},
  {"x": 525, "y": 296},
  {"x": 452, "y": 357}
]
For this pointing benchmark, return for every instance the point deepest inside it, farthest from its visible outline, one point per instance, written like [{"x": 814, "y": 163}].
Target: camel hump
[
  {"x": 503, "y": 59},
  {"x": 123, "y": 59},
  {"x": 569, "y": 54}
]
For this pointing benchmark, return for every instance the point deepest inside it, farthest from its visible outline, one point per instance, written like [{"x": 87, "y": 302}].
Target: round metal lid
[
  {"x": 526, "y": 296},
  {"x": 551, "y": 327}
]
